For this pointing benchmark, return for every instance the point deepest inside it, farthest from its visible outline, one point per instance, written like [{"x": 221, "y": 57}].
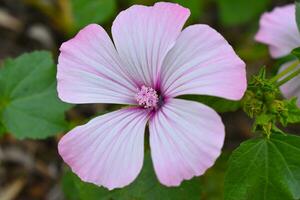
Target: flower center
[{"x": 147, "y": 97}]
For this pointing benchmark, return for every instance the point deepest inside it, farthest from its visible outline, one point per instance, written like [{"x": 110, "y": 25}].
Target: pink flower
[
  {"x": 150, "y": 63},
  {"x": 278, "y": 29}
]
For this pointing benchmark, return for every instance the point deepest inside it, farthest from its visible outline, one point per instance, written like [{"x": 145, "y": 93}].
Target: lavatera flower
[
  {"x": 150, "y": 63},
  {"x": 278, "y": 29}
]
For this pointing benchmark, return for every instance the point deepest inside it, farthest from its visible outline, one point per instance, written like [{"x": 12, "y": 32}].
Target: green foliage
[
  {"x": 219, "y": 104},
  {"x": 69, "y": 187},
  {"x": 145, "y": 187},
  {"x": 263, "y": 122},
  {"x": 96, "y": 11},
  {"x": 296, "y": 52},
  {"x": 265, "y": 169},
  {"x": 262, "y": 102},
  {"x": 260, "y": 93},
  {"x": 236, "y": 12},
  {"x": 29, "y": 107},
  {"x": 291, "y": 113},
  {"x": 298, "y": 13}
]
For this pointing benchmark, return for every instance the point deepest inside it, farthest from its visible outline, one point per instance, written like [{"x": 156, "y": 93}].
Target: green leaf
[
  {"x": 96, "y": 11},
  {"x": 30, "y": 107},
  {"x": 263, "y": 169},
  {"x": 218, "y": 104},
  {"x": 296, "y": 52},
  {"x": 145, "y": 187},
  {"x": 297, "y": 2},
  {"x": 236, "y": 12},
  {"x": 262, "y": 121},
  {"x": 69, "y": 187},
  {"x": 293, "y": 111}
]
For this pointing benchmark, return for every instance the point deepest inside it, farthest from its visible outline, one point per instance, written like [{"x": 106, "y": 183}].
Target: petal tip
[{"x": 174, "y": 6}]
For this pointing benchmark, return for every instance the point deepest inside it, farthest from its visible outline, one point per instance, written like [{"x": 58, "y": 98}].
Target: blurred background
[{"x": 32, "y": 169}]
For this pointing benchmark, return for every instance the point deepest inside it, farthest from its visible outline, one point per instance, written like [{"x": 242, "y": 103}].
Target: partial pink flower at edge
[
  {"x": 279, "y": 30},
  {"x": 150, "y": 63}
]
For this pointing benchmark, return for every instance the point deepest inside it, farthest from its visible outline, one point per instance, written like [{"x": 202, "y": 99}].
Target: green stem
[
  {"x": 289, "y": 77},
  {"x": 285, "y": 72}
]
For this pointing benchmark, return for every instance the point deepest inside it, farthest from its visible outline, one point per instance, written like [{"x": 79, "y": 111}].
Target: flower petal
[
  {"x": 90, "y": 71},
  {"x": 278, "y": 29},
  {"x": 109, "y": 150},
  {"x": 292, "y": 87},
  {"x": 185, "y": 139},
  {"x": 143, "y": 36},
  {"x": 202, "y": 62}
]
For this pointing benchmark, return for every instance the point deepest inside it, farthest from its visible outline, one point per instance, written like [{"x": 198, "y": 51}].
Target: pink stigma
[{"x": 147, "y": 97}]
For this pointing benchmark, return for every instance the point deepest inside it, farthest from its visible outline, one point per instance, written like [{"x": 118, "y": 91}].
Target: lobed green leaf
[
  {"x": 30, "y": 107},
  {"x": 265, "y": 169}
]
